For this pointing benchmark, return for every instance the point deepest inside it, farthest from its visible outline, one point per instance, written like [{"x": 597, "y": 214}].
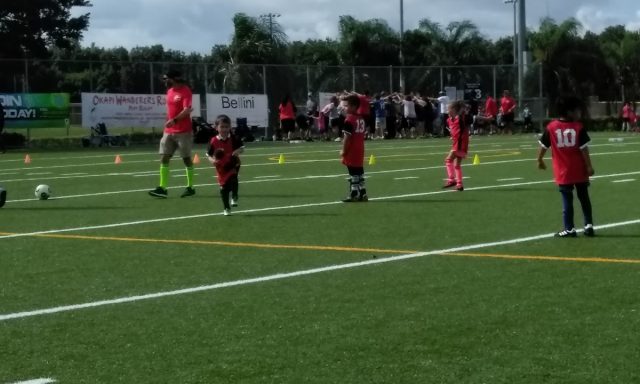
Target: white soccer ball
[{"x": 43, "y": 192}]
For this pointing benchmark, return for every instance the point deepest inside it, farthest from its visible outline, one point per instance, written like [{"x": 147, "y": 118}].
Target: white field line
[
  {"x": 270, "y": 163},
  {"x": 278, "y": 208},
  {"x": 406, "y": 178},
  {"x": 38, "y": 173},
  {"x": 36, "y": 381},
  {"x": 74, "y": 174},
  {"x": 266, "y": 177},
  {"x": 511, "y": 179},
  {"x": 369, "y": 173},
  {"x": 623, "y": 181},
  {"x": 287, "y": 275}
]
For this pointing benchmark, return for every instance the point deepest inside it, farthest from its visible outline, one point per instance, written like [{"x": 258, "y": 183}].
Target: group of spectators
[{"x": 397, "y": 115}]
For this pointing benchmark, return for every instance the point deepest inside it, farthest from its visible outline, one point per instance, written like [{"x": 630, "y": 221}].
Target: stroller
[{"x": 202, "y": 131}]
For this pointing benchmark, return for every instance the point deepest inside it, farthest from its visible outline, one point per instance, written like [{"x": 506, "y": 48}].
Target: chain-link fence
[{"x": 75, "y": 77}]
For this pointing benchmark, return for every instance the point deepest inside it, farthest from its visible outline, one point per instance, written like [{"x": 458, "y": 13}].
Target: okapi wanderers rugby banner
[
  {"x": 123, "y": 110},
  {"x": 254, "y": 108},
  {"x": 35, "y": 110}
]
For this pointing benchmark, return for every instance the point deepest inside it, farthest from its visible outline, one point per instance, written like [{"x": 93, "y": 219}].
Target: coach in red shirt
[
  {"x": 178, "y": 133},
  {"x": 508, "y": 106}
]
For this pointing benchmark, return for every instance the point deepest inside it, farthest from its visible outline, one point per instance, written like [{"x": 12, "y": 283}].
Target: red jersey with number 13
[
  {"x": 354, "y": 127},
  {"x": 566, "y": 140}
]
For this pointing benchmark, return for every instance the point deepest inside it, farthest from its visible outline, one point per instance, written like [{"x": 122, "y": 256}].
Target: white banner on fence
[
  {"x": 254, "y": 108},
  {"x": 127, "y": 110}
]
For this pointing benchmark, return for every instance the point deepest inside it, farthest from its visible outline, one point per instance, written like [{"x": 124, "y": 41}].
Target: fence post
[
  {"x": 390, "y": 79},
  {"x": 25, "y": 83},
  {"x": 442, "y": 78},
  {"x": 151, "y": 78},
  {"x": 308, "y": 80},
  {"x": 264, "y": 91},
  {"x": 545, "y": 111},
  {"x": 91, "y": 76},
  {"x": 206, "y": 79},
  {"x": 353, "y": 78},
  {"x": 495, "y": 84}
]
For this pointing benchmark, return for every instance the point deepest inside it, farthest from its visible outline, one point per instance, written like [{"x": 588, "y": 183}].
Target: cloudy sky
[{"x": 197, "y": 25}]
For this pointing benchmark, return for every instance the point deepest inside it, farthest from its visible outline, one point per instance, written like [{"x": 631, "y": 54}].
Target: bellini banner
[{"x": 254, "y": 108}]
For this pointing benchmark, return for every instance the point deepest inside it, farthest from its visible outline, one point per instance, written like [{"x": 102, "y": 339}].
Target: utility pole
[
  {"x": 522, "y": 48},
  {"x": 515, "y": 34},
  {"x": 401, "y": 44},
  {"x": 269, "y": 17}
]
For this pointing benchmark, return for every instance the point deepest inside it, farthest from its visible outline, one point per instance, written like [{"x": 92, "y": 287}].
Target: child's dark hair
[
  {"x": 568, "y": 103},
  {"x": 352, "y": 100},
  {"x": 223, "y": 119}
]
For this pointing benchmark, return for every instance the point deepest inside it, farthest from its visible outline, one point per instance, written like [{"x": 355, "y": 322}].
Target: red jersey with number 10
[
  {"x": 567, "y": 139},
  {"x": 354, "y": 128}
]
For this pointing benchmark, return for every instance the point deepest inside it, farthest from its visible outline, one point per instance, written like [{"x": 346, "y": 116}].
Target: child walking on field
[
  {"x": 572, "y": 167},
  {"x": 459, "y": 128},
  {"x": 352, "y": 153},
  {"x": 223, "y": 152}
]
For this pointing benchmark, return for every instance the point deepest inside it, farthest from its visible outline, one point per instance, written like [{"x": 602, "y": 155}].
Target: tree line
[{"x": 606, "y": 64}]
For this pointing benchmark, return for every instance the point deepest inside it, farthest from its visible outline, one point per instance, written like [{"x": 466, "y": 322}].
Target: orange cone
[
  {"x": 196, "y": 159},
  {"x": 118, "y": 159},
  {"x": 27, "y": 159}
]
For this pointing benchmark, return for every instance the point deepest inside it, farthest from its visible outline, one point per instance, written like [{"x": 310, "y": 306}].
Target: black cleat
[
  {"x": 588, "y": 231},
  {"x": 350, "y": 200},
  {"x": 189, "y": 191},
  {"x": 566, "y": 233},
  {"x": 3, "y": 197},
  {"x": 460, "y": 188},
  {"x": 449, "y": 184},
  {"x": 159, "y": 192}
]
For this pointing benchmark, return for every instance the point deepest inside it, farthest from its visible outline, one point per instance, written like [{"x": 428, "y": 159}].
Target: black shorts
[
  {"x": 508, "y": 118},
  {"x": 288, "y": 125}
]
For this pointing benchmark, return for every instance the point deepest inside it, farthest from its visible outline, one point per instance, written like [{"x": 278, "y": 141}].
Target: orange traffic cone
[
  {"x": 196, "y": 159},
  {"x": 27, "y": 159},
  {"x": 118, "y": 159}
]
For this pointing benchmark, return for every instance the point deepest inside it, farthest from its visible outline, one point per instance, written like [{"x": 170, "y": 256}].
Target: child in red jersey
[
  {"x": 352, "y": 153},
  {"x": 223, "y": 152},
  {"x": 459, "y": 127},
  {"x": 572, "y": 167}
]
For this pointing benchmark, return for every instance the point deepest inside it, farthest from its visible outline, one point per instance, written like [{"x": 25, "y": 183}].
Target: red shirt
[
  {"x": 287, "y": 112},
  {"x": 491, "y": 108},
  {"x": 507, "y": 103},
  {"x": 567, "y": 139},
  {"x": 364, "y": 109},
  {"x": 459, "y": 134},
  {"x": 225, "y": 167},
  {"x": 178, "y": 99},
  {"x": 627, "y": 112},
  {"x": 355, "y": 130}
]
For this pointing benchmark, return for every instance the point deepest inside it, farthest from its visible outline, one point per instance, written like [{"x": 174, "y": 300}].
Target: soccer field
[{"x": 104, "y": 284}]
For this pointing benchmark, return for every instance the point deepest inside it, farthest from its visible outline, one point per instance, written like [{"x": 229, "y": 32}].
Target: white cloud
[{"x": 197, "y": 25}]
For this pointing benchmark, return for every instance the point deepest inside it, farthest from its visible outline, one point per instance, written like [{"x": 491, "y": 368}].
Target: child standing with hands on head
[
  {"x": 223, "y": 152},
  {"x": 569, "y": 141},
  {"x": 352, "y": 153},
  {"x": 459, "y": 128}
]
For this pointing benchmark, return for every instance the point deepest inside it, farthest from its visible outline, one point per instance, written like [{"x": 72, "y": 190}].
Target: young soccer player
[
  {"x": 352, "y": 153},
  {"x": 459, "y": 128},
  {"x": 572, "y": 167},
  {"x": 223, "y": 152}
]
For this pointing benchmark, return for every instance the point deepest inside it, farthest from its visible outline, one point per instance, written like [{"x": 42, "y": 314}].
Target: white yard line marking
[
  {"x": 623, "y": 181},
  {"x": 36, "y": 381},
  {"x": 287, "y": 275},
  {"x": 38, "y": 173},
  {"x": 74, "y": 174},
  {"x": 268, "y": 209},
  {"x": 266, "y": 177},
  {"x": 511, "y": 179},
  {"x": 406, "y": 178}
]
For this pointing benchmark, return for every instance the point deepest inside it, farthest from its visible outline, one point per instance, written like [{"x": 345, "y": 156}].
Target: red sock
[
  {"x": 450, "y": 173},
  {"x": 458, "y": 170}
]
